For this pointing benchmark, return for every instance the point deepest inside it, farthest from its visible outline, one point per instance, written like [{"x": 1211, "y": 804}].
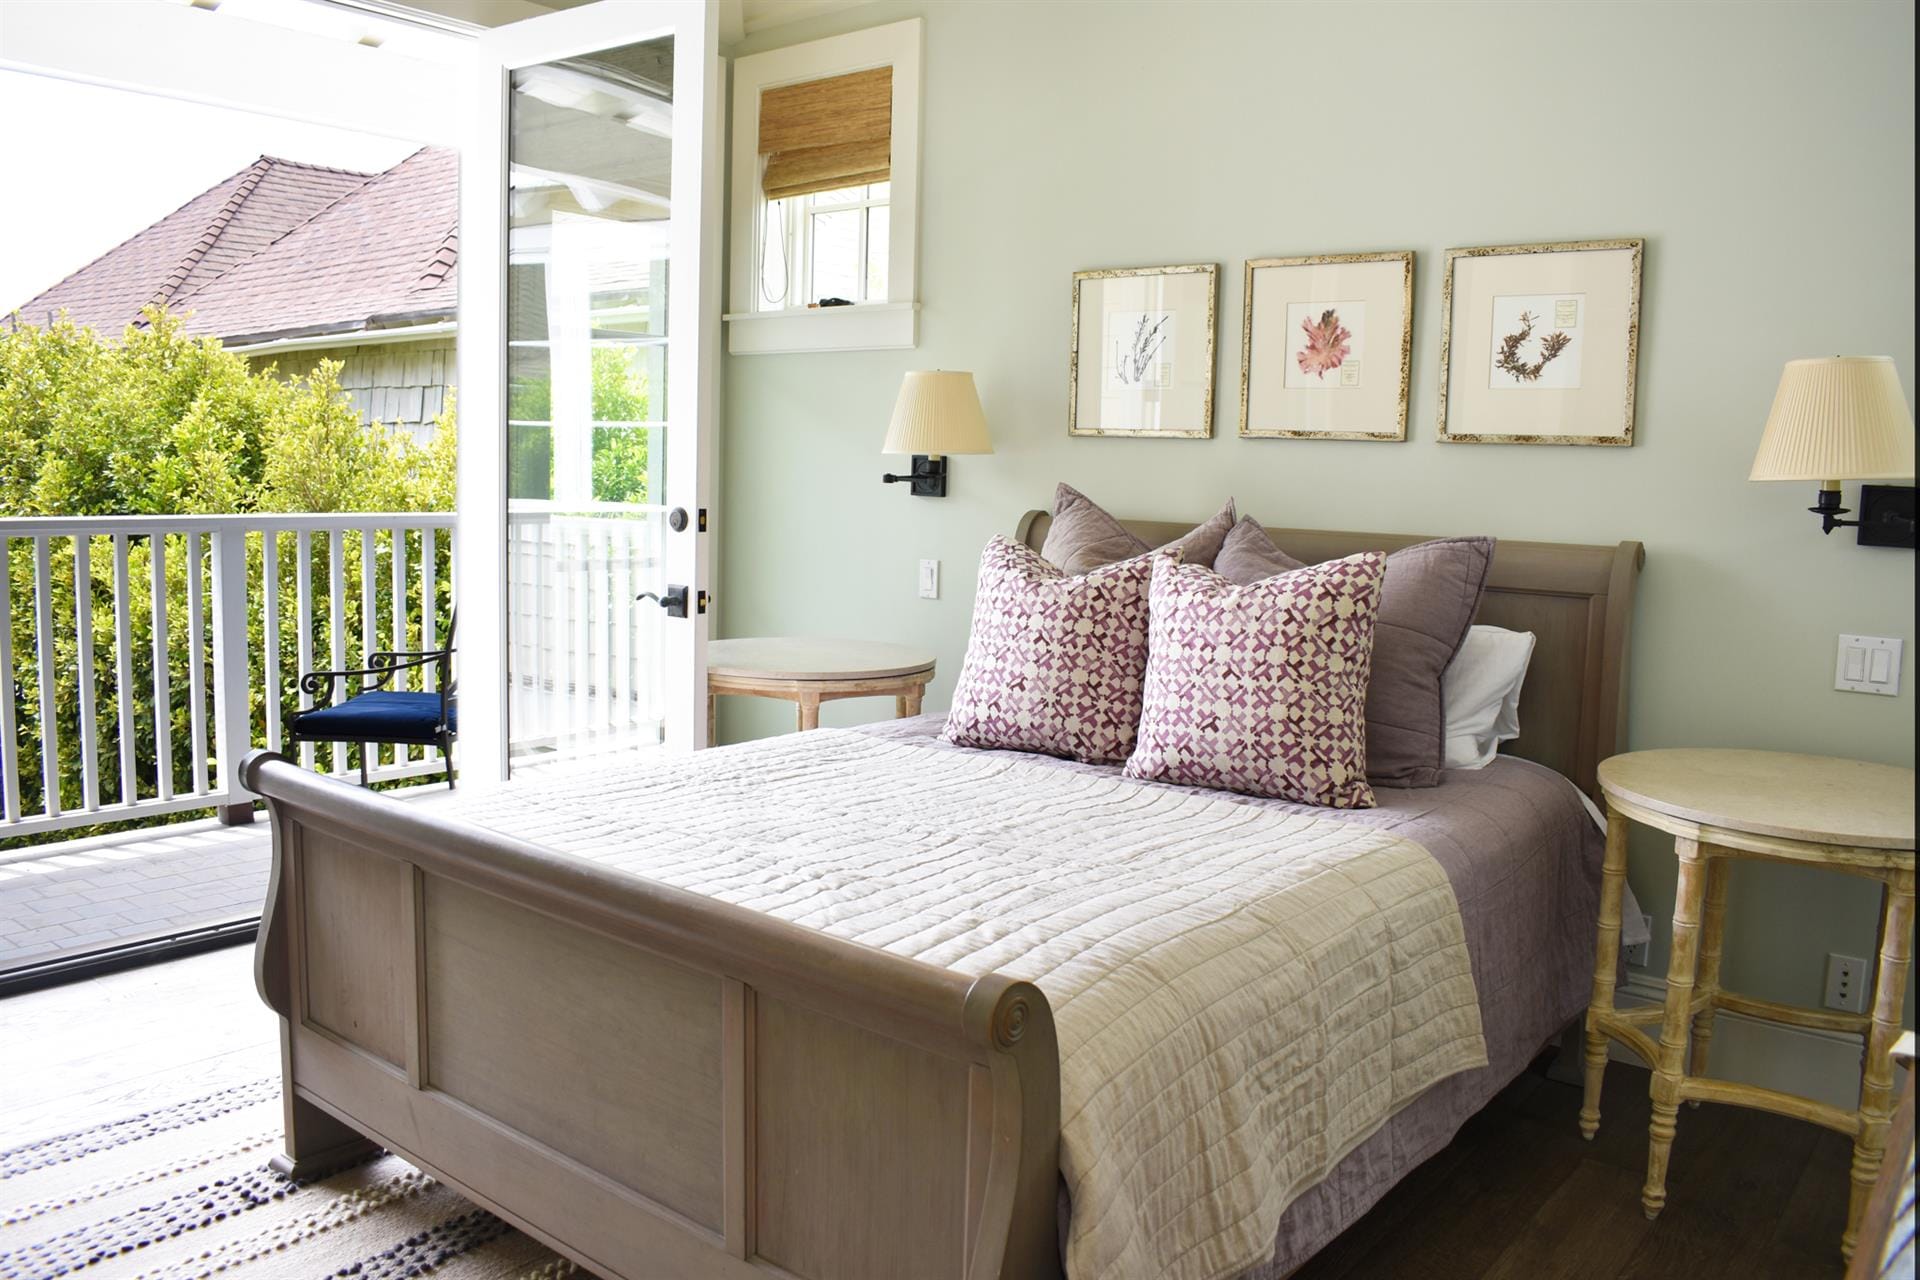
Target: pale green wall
[{"x": 1765, "y": 151}]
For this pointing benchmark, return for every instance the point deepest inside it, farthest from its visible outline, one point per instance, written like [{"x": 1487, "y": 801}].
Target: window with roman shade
[
  {"x": 825, "y": 171},
  {"x": 826, "y": 135}
]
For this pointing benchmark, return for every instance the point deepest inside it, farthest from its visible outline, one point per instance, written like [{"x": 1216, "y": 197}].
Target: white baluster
[
  {"x": 83, "y": 648},
  {"x": 580, "y": 552},
  {"x": 303, "y": 606},
  {"x": 196, "y": 664},
  {"x": 9, "y": 731},
  {"x": 231, "y": 711},
  {"x": 123, "y": 668},
  {"x": 369, "y": 617},
  {"x": 270, "y": 633},
  {"x": 598, "y": 584},
  {"x": 554, "y": 630},
  {"x": 623, "y": 610},
  {"x": 337, "y": 628},
  {"x": 397, "y": 609},
  {"x": 429, "y": 619},
  {"x": 162, "y": 681},
  {"x": 43, "y": 634}
]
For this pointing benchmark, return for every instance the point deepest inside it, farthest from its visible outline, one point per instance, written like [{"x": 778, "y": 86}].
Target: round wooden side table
[
  {"x": 809, "y": 672},
  {"x": 1845, "y": 815}
]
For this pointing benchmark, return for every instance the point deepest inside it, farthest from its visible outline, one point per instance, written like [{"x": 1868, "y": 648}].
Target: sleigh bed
[{"x": 661, "y": 1081}]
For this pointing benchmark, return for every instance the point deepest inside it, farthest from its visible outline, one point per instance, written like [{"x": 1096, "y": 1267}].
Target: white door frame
[{"x": 692, "y": 350}]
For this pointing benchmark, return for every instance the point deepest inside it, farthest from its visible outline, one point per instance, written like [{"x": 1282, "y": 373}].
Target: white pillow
[{"x": 1481, "y": 690}]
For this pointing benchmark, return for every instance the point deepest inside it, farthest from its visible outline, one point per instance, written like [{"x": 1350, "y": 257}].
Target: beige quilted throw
[{"x": 1243, "y": 994}]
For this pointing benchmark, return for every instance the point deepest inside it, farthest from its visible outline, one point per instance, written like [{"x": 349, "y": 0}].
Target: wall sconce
[
  {"x": 937, "y": 413},
  {"x": 1840, "y": 418}
]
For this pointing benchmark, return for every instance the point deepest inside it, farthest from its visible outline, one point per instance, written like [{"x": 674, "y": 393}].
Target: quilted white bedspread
[{"x": 1242, "y": 995}]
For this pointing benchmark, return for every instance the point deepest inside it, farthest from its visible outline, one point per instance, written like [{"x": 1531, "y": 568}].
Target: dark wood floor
[{"x": 1519, "y": 1196}]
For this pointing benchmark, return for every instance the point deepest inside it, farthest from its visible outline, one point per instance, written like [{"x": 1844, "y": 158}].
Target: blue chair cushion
[{"x": 385, "y": 715}]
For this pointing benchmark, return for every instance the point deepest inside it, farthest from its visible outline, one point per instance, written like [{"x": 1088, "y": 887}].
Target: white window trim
[{"x": 866, "y": 326}]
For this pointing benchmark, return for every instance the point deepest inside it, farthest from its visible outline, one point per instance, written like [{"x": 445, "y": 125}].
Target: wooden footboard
[{"x": 653, "y": 1082}]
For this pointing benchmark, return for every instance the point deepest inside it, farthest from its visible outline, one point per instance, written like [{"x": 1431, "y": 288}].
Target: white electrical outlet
[
  {"x": 1846, "y": 984},
  {"x": 1637, "y": 954},
  {"x": 929, "y": 579},
  {"x": 1868, "y": 664}
]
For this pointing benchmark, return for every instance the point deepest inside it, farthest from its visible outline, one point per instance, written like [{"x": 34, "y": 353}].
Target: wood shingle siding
[{"x": 394, "y": 383}]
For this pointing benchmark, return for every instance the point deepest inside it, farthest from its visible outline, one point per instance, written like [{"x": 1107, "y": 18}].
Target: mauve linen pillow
[
  {"x": 1248, "y": 555},
  {"x": 1083, "y": 536},
  {"x": 1054, "y": 662},
  {"x": 1261, "y": 688},
  {"x": 1427, "y": 602}
]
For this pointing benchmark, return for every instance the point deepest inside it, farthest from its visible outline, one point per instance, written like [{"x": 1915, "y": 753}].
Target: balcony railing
[
  {"x": 143, "y": 655},
  {"x": 581, "y": 651}
]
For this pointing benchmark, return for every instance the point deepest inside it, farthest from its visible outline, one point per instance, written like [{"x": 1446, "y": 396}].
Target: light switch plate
[
  {"x": 1868, "y": 664},
  {"x": 929, "y": 579}
]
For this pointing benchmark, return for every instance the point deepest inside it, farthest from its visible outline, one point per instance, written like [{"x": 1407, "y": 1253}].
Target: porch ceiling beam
[
  {"x": 227, "y": 61},
  {"x": 561, "y": 140}
]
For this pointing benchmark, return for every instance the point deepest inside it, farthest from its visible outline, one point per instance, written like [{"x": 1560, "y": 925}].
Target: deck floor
[
  {"x": 63, "y": 899},
  {"x": 79, "y": 896}
]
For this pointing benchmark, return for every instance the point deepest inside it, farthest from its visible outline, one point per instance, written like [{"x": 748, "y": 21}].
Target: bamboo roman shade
[{"x": 821, "y": 135}]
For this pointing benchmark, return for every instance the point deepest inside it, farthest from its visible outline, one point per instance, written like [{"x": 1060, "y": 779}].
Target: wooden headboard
[{"x": 1577, "y": 601}]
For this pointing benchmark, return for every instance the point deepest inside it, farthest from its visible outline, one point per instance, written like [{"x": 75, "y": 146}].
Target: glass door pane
[{"x": 590, "y": 151}]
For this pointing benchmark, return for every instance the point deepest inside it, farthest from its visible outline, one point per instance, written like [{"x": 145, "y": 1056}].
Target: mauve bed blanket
[{"x": 1524, "y": 861}]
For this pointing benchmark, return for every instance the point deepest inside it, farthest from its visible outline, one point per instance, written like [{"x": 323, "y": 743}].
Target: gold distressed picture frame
[
  {"x": 1540, "y": 343},
  {"x": 1141, "y": 359},
  {"x": 1326, "y": 352}
]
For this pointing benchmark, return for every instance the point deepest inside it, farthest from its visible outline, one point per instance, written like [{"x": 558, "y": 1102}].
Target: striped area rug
[{"x": 183, "y": 1192}]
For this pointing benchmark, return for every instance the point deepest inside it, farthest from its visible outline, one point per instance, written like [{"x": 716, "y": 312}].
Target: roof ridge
[
  {"x": 371, "y": 181},
  {"x": 94, "y": 261},
  {"x": 319, "y": 168},
  {"x": 366, "y": 180},
  {"x": 184, "y": 268}
]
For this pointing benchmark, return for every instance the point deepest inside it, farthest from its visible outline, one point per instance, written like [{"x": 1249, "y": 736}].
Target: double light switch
[{"x": 1868, "y": 664}]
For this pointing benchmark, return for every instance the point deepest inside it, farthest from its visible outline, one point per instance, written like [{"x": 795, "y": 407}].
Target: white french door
[{"x": 589, "y": 312}]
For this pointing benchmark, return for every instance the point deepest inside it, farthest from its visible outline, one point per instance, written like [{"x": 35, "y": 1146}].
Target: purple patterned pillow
[
  {"x": 1054, "y": 663},
  {"x": 1261, "y": 688},
  {"x": 1430, "y": 595}
]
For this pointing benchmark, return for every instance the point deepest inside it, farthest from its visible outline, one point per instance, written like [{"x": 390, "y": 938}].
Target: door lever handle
[{"x": 673, "y": 600}]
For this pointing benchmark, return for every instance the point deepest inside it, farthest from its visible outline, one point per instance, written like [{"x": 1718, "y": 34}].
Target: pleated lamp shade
[
  {"x": 1837, "y": 418},
  {"x": 938, "y": 412}
]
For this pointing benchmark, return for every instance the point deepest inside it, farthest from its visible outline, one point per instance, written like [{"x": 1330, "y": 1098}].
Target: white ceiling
[{"x": 738, "y": 18}]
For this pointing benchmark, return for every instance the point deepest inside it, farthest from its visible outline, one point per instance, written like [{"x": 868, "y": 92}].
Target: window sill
[{"x": 867, "y": 326}]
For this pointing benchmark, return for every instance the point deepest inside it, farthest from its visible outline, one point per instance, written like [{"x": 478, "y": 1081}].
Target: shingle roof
[
  {"x": 380, "y": 256},
  {"x": 195, "y": 244}
]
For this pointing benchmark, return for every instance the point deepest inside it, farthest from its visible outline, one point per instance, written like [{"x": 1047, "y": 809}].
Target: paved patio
[
  {"x": 87, "y": 894},
  {"x": 83, "y": 895}
]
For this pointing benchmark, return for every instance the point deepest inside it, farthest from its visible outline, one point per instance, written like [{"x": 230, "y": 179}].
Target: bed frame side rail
[{"x": 650, "y": 1081}]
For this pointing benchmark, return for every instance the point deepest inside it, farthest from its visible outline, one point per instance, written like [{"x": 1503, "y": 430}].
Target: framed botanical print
[
  {"x": 1142, "y": 362},
  {"x": 1540, "y": 343},
  {"x": 1326, "y": 346}
]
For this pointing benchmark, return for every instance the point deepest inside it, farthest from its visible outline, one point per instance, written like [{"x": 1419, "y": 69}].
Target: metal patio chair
[{"x": 379, "y": 715}]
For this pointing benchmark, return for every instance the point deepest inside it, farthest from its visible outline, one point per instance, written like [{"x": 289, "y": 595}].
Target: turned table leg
[
  {"x": 1606, "y": 964},
  {"x": 1712, "y": 927},
  {"x": 908, "y": 702},
  {"x": 808, "y": 705},
  {"x": 1670, "y": 1069},
  {"x": 713, "y": 718},
  {"x": 1876, "y": 1075}
]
